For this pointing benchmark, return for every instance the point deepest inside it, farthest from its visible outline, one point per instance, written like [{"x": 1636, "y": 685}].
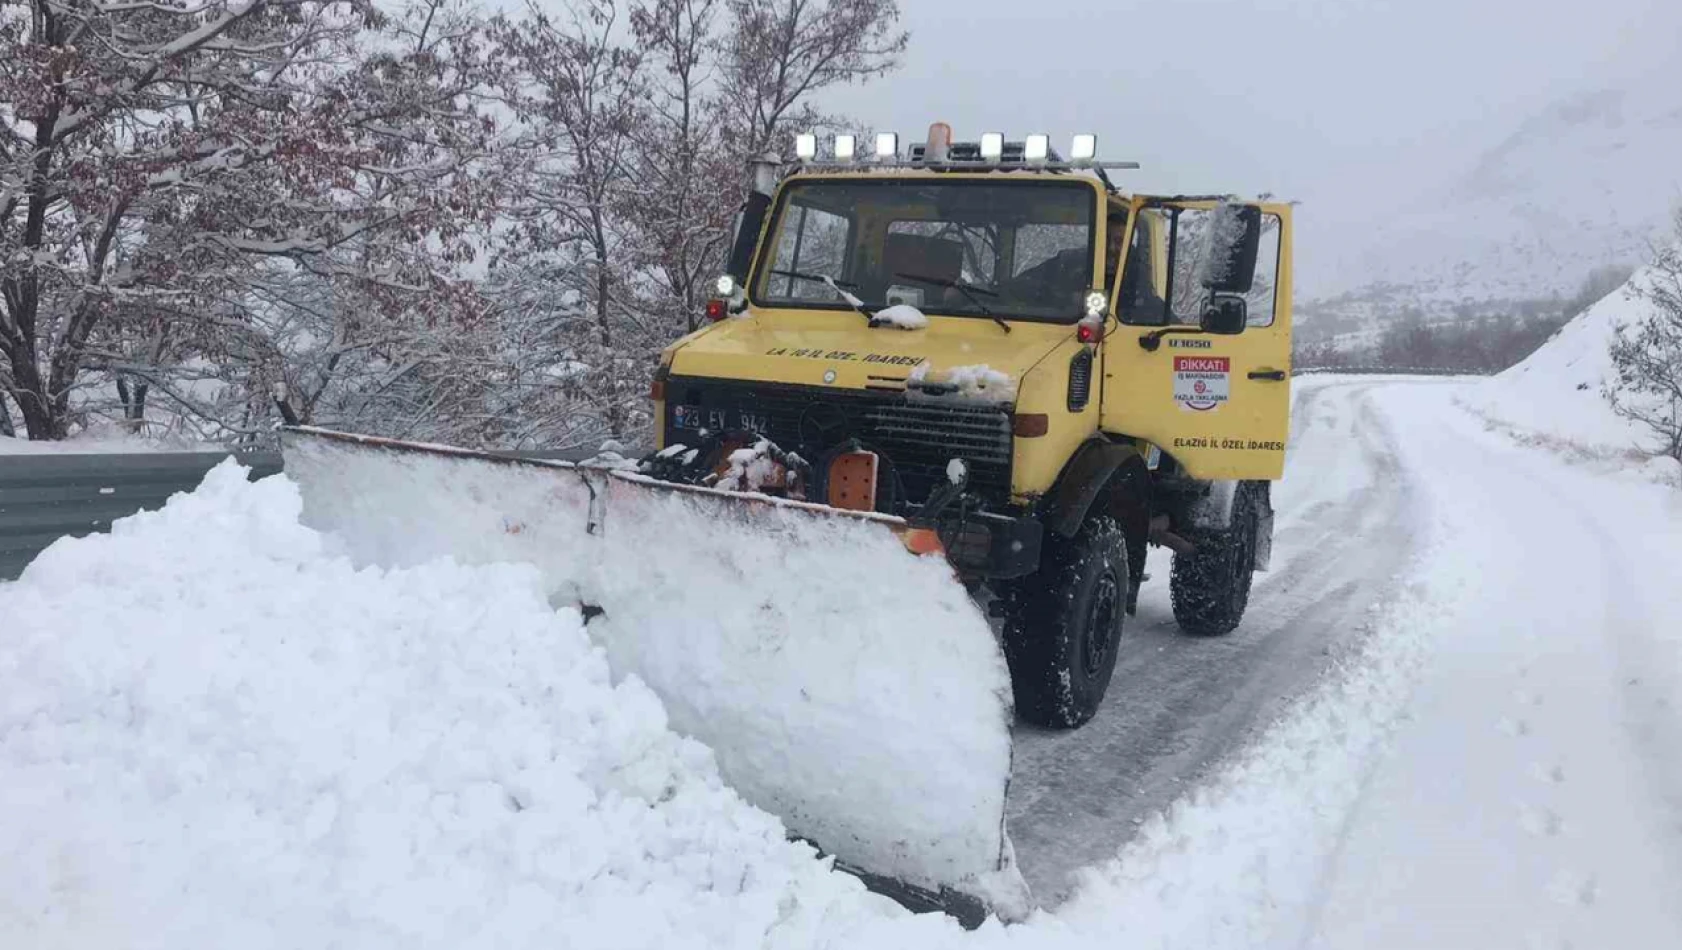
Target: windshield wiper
[
  {"x": 814, "y": 278},
  {"x": 835, "y": 285},
  {"x": 968, "y": 290}
]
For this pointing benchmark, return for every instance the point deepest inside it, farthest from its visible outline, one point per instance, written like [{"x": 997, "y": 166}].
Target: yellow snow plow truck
[{"x": 936, "y": 383}]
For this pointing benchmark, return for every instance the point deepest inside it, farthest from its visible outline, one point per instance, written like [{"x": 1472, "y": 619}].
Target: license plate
[{"x": 719, "y": 420}]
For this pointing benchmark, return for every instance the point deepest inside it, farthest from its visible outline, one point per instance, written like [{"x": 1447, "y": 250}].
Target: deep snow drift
[{"x": 213, "y": 734}]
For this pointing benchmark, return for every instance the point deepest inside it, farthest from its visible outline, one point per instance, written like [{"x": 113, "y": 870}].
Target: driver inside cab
[{"x": 1061, "y": 277}]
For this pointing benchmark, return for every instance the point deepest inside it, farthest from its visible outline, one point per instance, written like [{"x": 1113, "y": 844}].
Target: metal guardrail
[{"x": 47, "y": 497}]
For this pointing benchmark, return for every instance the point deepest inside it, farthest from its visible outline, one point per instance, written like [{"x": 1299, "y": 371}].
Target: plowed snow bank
[{"x": 211, "y": 734}]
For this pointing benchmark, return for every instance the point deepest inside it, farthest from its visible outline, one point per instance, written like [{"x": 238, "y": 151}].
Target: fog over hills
[{"x": 1586, "y": 182}]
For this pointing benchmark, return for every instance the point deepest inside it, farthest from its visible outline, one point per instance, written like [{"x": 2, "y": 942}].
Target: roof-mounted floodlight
[
  {"x": 992, "y": 146},
  {"x": 805, "y": 146},
  {"x": 887, "y": 144},
  {"x": 845, "y": 146},
  {"x": 1036, "y": 147},
  {"x": 1084, "y": 148}
]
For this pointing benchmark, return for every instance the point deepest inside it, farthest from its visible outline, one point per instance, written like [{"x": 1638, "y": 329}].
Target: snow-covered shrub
[{"x": 1647, "y": 355}]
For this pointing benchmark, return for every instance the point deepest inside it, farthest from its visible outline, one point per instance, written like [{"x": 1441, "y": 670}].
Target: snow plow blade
[{"x": 845, "y": 684}]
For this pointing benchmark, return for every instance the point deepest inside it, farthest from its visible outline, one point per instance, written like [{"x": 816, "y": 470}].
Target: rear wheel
[
  {"x": 1210, "y": 587},
  {"x": 1064, "y": 624}
]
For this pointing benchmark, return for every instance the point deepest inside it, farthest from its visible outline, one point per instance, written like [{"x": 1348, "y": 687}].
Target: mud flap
[{"x": 845, "y": 685}]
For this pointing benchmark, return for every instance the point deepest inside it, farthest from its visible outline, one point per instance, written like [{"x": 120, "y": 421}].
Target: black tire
[
  {"x": 1063, "y": 625},
  {"x": 1210, "y": 587}
]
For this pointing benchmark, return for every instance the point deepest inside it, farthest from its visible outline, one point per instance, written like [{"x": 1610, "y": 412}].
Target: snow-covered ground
[
  {"x": 214, "y": 732},
  {"x": 105, "y": 439},
  {"x": 1532, "y": 796},
  {"x": 236, "y": 740}
]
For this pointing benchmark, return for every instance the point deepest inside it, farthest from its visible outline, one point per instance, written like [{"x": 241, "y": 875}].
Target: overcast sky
[{"x": 1310, "y": 99}]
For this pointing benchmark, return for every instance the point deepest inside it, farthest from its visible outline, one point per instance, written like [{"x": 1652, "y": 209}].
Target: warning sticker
[{"x": 1202, "y": 382}]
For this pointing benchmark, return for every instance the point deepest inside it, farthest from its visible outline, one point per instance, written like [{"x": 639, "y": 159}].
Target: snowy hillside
[
  {"x": 1556, "y": 395},
  {"x": 1584, "y": 183}
]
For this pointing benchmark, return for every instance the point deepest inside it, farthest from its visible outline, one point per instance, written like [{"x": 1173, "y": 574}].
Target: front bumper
[{"x": 985, "y": 544}]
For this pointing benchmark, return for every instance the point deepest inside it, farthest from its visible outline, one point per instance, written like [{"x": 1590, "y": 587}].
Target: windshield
[{"x": 1018, "y": 250}]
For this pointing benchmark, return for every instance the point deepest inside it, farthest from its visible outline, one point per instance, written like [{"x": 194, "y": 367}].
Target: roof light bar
[
  {"x": 1036, "y": 147},
  {"x": 992, "y": 152}
]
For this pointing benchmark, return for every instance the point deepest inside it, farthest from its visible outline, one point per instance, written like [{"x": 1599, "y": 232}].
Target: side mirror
[
  {"x": 1225, "y": 315},
  {"x": 1230, "y": 249}
]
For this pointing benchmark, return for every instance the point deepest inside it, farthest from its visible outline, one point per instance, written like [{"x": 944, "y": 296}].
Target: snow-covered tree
[
  {"x": 690, "y": 180},
  {"x": 159, "y": 162},
  {"x": 568, "y": 263},
  {"x": 203, "y": 200},
  {"x": 1647, "y": 356},
  {"x": 781, "y": 53}
]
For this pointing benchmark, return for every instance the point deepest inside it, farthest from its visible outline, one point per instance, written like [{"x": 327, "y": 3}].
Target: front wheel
[
  {"x": 1063, "y": 625},
  {"x": 1210, "y": 587}
]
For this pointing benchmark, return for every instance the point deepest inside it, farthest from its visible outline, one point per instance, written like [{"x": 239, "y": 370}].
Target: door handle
[{"x": 1276, "y": 375}]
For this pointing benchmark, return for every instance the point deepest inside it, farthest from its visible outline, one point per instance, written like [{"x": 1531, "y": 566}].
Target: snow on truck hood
[{"x": 838, "y": 349}]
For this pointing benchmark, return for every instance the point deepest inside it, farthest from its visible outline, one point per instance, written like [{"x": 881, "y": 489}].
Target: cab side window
[{"x": 1138, "y": 302}]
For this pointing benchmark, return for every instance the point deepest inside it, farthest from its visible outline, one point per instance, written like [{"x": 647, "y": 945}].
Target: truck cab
[{"x": 998, "y": 345}]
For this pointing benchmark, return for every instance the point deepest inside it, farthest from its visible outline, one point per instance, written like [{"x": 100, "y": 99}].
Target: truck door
[{"x": 1199, "y": 361}]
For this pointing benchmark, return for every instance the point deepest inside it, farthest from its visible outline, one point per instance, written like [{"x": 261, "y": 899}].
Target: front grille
[{"x": 916, "y": 435}]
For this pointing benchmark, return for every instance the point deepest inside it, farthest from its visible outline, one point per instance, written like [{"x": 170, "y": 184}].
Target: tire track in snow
[
  {"x": 1510, "y": 810},
  {"x": 1180, "y": 706}
]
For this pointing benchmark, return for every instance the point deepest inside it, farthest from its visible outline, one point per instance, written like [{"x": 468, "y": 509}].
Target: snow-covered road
[
  {"x": 1179, "y": 705},
  {"x": 1477, "y": 648},
  {"x": 1533, "y": 796}
]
